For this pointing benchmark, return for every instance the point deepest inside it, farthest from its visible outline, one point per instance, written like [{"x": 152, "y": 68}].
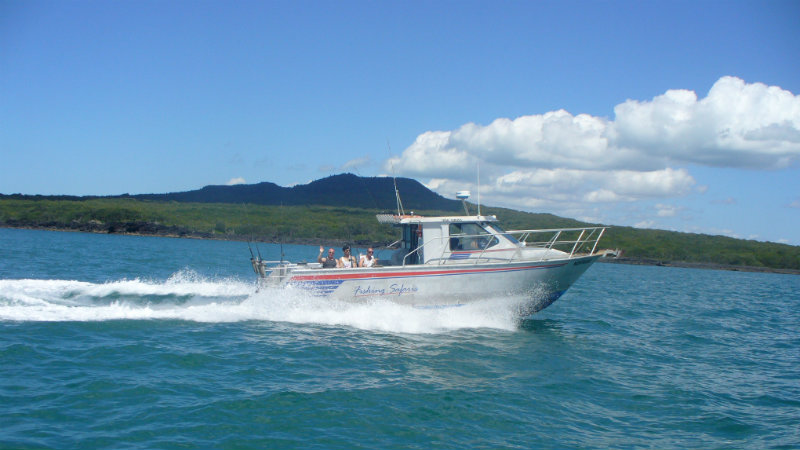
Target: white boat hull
[{"x": 530, "y": 285}]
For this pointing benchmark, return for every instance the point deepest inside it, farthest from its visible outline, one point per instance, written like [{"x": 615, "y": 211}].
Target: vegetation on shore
[{"x": 326, "y": 224}]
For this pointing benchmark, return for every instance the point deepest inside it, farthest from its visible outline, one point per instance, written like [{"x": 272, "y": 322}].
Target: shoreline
[
  {"x": 696, "y": 265},
  {"x": 148, "y": 230},
  {"x": 182, "y": 233}
]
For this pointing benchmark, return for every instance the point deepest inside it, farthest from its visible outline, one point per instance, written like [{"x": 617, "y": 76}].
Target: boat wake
[{"x": 190, "y": 297}]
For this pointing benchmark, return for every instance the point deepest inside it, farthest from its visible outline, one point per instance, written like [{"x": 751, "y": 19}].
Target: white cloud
[
  {"x": 602, "y": 196},
  {"x": 237, "y": 180},
  {"x": 666, "y": 210},
  {"x": 356, "y": 163},
  {"x": 561, "y": 162},
  {"x": 736, "y": 125},
  {"x": 431, "y": 155},
  {"x": 592, "y": 186},
  {"x": 657, "y": 183},
  {"x": 722, "y": 232}
]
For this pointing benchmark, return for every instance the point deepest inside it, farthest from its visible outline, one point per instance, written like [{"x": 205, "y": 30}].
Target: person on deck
[
  {"x": 347, "y": 260},
  {"x": 367, "y": 260},
  {"x": 327, "y": 263}
]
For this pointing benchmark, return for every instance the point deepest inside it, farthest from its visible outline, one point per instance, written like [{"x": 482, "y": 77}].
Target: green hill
[{"x": 337, "y": 190}]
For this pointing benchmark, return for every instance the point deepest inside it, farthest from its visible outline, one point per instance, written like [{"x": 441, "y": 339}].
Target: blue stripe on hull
[{"x": 319, "y": 288}]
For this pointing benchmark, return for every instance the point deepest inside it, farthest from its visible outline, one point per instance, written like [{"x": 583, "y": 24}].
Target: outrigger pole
[{"x": 400, "y": 211}]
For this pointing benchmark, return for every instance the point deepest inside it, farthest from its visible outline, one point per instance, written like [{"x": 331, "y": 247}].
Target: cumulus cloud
[
  {"x": 666, "y": 210},
  {"x": 619, "y": 184},
  {"x": 643, "y": 153},
  {"x": 736, "y": 125},
  {"x": 432, "y": 155},
  {"x": 237, "y": 180}
]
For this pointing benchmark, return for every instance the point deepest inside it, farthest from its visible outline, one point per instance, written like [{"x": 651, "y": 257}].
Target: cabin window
[{"x": 470, "y": 237}]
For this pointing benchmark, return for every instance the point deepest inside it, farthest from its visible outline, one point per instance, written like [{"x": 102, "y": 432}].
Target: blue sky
[{"x": 671, "y": 115}]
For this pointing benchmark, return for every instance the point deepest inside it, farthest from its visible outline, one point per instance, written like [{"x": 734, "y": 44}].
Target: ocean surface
[{"x": 129, "y": 342}]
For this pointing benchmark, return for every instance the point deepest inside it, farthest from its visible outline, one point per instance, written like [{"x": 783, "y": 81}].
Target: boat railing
[
  {"x": 573, "y": 241},
  {"x": 278, "y": 268},
  {"x": 568, "y": 240},
  {"x": 418, "y": 251}
]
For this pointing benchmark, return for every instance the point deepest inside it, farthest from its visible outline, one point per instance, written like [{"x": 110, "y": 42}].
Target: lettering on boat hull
[{"x": 393, "y": 289}]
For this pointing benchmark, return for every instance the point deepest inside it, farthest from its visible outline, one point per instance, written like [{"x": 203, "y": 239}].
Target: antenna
[
  {"x": 479, "y": 188},
  {"x": 400, "y": 211}
]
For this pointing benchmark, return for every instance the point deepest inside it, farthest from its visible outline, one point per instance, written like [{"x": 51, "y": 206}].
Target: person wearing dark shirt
[{"x": 330, "y": 261}]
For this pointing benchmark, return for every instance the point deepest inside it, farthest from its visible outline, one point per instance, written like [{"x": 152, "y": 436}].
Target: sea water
[{"x": 110, "y": 341}]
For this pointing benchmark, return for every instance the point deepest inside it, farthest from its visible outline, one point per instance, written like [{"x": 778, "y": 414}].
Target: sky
[{"x": 676, "y": 115}]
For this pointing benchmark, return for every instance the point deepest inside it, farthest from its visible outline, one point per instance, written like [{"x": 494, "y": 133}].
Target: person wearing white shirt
[{"x": 367, "y": 260}]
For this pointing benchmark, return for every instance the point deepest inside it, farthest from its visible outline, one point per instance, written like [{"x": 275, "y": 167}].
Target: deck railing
[
  {"x": 563, "y": 238},
  {"x": 573, "y": 241}
]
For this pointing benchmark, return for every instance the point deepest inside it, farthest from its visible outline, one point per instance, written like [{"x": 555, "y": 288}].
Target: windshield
[
  {"x": 470, "y": 236},
  {"x": 500, "y": 231}
]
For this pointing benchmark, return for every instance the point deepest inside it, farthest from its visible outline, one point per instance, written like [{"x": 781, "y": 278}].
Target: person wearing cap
[
  {"x": 330, "y": 262},
  {"x": 348, "y": 260}
]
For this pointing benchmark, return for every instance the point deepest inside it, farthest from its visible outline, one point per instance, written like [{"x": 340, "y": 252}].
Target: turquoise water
[{"x": 138, "y": 342}]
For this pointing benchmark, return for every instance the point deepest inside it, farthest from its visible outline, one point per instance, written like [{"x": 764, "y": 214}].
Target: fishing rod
[{"x": 256, "y": 263}]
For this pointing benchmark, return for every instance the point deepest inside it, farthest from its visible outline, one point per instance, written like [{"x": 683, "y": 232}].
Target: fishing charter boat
[{"x": 450, "y": 261}]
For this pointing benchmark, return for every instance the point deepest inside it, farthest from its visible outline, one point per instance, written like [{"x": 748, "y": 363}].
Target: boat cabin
[{"x": 450, "y": 240}]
